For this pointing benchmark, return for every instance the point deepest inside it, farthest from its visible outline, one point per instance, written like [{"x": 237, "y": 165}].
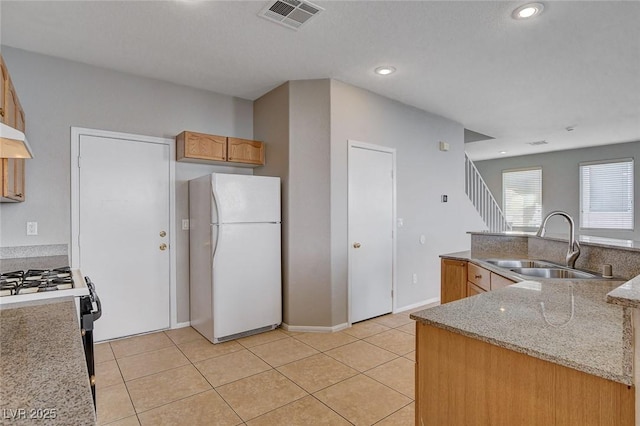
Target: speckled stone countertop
[
  {"x": 24, "y": 263},
  {"x": 567, "y": 322},
  {"x": 627, "y": 295},
  {"x": 42, "y": 365}
]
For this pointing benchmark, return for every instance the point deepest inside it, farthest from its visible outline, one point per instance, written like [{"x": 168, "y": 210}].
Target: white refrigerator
[{"x": 234, "y": 255}]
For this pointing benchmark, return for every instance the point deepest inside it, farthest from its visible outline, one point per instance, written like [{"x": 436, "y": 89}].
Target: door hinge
[
  {"x": 78, "y": 240},
  {"x": 78, "y": 161}
]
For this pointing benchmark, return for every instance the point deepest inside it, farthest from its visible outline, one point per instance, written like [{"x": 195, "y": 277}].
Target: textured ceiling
[{"x": 577, "y": 64}]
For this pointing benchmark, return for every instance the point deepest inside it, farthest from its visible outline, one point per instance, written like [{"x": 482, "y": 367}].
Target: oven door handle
[{"x": 94, "y": 297}]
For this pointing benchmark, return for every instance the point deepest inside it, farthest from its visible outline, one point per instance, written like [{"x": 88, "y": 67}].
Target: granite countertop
[
  {"x": 24, "y": 263},
  {"x": 42, "y": 365},
  {"x": 627, "y": 295},
  {"x": 567, "y": 322}
]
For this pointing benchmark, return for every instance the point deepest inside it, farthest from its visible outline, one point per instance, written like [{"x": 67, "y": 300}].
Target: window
[
  {"x": 522, "y": 197},
  {"x": 606, "y": 195}
]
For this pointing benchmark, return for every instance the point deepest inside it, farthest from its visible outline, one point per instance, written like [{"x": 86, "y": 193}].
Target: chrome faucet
[{"x": 574, "y": 248}]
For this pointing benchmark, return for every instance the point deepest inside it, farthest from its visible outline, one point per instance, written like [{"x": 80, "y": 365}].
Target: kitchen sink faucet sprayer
[{"x": 574, "y": 248}]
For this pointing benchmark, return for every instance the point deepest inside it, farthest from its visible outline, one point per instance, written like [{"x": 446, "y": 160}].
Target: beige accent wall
[{"x": 322, "y": 116}]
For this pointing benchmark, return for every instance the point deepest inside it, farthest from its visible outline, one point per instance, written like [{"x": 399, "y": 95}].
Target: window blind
[
  {"x": 522, "y": 197},
  {"x": 606, "y": 195}
]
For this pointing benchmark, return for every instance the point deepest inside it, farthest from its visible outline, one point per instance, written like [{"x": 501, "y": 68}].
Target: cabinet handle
[
  {"x": 478, "y": 276},
  {"x": 230, "y": 158},
  {"x": 19, "y": 195},
  {"x": 1, "y": 112}
]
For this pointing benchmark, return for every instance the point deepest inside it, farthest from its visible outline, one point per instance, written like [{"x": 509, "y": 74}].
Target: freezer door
[
  {"x": 245, "y": 198},
  {"x": 247, "y": 284}
]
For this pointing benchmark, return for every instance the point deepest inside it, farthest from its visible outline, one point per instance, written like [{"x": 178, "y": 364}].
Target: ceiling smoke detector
[
  {"x": 537, "y": 143},
  {"x": 290, "y": 13}
]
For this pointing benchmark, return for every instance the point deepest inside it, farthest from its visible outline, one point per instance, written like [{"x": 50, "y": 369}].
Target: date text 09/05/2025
[{"x": 29, "y": 413}]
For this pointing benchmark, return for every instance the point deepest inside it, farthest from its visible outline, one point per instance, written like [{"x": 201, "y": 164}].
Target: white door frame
[
  {"x": 363, "y": 145},
  {"x": 76, "y": 132}
]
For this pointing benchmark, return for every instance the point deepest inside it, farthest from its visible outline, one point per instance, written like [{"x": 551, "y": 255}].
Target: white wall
[
  {"x": 561, "y": 182},
  {"x": 57, "y": 94},
  {"x": 423, "y": 174}
]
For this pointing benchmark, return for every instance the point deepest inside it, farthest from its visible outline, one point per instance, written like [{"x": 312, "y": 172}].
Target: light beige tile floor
[{"x": 362, "y": 376}]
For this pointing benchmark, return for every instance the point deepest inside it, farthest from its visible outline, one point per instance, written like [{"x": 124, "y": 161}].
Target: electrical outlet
[
  {"x": 415, "y": 278},
  {"x": 32, "y": 228},
  {"x": 185, "y": 224}
]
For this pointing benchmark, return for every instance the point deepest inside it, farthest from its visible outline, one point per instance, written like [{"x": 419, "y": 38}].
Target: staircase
[{"x": 482, "y": 199}]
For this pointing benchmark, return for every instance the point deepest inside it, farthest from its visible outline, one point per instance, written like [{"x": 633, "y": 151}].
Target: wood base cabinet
[
  {"x": 453, "y": 280},
  {"x": 464, "y": 381}
]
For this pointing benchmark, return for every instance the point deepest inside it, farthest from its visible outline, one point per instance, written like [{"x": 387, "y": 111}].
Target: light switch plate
[{"x": 185, "y": 224}]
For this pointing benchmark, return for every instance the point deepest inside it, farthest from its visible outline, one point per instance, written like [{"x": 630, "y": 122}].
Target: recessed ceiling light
[
  {"x": 502, "y": 152},
  {"x": 385, "y": 70},
  {"x": 527, "y": 11}
]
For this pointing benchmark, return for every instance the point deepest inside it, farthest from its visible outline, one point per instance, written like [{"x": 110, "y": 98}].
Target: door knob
[
  {"x": 163, "y": 234},
  {"x": 163, "y": 246},
  {"x": 356, "y": 245}
]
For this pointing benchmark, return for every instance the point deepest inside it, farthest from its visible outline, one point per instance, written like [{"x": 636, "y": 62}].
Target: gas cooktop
[{"x": 15, "y": 283}]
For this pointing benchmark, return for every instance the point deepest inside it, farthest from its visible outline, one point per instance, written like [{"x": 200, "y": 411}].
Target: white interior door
[
  {"x": 371, "y": 224},
  {"x": 124, "y": 232}
]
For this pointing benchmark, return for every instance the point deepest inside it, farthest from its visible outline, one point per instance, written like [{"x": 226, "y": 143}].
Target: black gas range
[{"x": 40, "y": 284}]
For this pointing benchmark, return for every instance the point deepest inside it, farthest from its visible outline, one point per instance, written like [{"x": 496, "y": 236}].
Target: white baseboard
[
  {"x": 433, "y": 301},
  {"x": 181, "y": 325},
  {"x": 314, "y": 329}
]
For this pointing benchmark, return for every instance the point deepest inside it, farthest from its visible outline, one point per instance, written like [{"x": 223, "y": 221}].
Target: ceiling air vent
[
  {"x": 537, "y": 143},
  {"x": 290, "y": 13}
]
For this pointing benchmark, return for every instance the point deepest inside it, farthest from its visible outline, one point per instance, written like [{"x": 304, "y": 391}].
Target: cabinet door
[
  {"x": 13, "y": 169},
  {"x": 473, "y": 289},
  {"x": 245, "y": 151},
  {"x": 200, "y": 146},
  {"x": 3, "y": 84},
  {"x": 13, "y": 177},
  {"x": 10, "y": 104},
  {"x": 453, "y": 280}
]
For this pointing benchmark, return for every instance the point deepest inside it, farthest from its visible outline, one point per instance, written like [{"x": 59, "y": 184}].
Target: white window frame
[
  {"x": 618, "y": 160},
  {"x": 504, "y": 198}
]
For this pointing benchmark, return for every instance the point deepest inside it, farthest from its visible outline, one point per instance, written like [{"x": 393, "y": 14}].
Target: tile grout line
[{"x": 271, "y": 367}]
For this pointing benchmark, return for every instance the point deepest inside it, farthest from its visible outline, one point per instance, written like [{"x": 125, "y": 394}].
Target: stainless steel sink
[
  {"x": 541, "y": 269},
  {"x": 554, "y": 273},
  {"x": 520, "y": 263}
]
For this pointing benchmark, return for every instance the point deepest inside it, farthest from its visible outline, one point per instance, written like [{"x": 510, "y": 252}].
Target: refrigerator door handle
[
  {"x": 215, "y": 246},
  {"x": 214, "y": 197}
]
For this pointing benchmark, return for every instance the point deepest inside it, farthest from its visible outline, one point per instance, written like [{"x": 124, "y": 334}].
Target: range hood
[{"x": 13, "y": 143}]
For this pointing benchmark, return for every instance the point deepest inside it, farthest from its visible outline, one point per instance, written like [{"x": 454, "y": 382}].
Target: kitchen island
[
  {"x": 536, "y": 352},
  {"x": 43, "y": 372}
]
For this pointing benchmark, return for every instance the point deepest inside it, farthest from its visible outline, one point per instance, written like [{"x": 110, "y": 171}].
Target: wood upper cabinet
[
  {"x": 192, "y": 146},
  {"x": 202, "y": 148},
  {"x": 12, "y": 170},
  {"x": 245, "y": 151},
  {"x": 453, "y": 280},
  {"x": 4, "y": 76}
]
